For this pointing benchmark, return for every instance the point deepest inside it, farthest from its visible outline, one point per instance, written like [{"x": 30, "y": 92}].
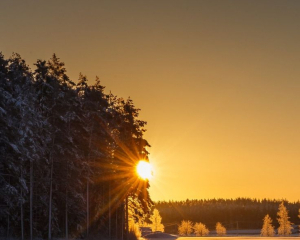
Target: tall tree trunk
[
  {"x": 88, "y": 187},
  {"x": 7, "y": 226},
  {"x": 122, "y": 220},
  {"x": 8, "y": 213},
  {"x": 67, "y": 227},
  {"x": 126, "y": 219},
  {"x": 22, "y": 217},
  {"x": 109, "y": 212},
  {"x": 51, "y": 191},
  {"x": 67, "y": 178},
  {"x": 50, "y": 195},
  {"x": 31, "y": 200},
  {"x": 117, "y": 223},
  {"x": 87, "y": 205}
]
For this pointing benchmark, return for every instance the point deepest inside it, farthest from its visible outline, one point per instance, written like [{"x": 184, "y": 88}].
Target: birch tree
[
  {"x": 156, "y": 224},
  {"x": 200, "y": 229},
  {"x": 185, "y": 228},
  {"x": 220, "y": 229}
]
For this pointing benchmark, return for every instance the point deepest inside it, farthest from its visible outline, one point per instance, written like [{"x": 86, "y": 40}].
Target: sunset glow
[
  {"x": 216, "y": 81},
  {"x": 149, "y": 119},
  {"x": 144, "y": 170}
]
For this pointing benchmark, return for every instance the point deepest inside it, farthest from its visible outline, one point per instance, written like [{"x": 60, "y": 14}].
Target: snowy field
[
  {"x": 294, "y": 237},
  {"x": 246, "y": 234},
  {"x": 235, "y": 238}
]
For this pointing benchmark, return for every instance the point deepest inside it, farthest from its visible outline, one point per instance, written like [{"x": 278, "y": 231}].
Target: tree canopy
[
  {"x": 68, "y": 153},
  {"x": 239, "y": 213}
]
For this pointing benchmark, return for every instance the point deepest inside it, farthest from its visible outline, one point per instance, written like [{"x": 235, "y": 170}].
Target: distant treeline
[
  {"x": 67, "y": 154},
  {"x": 240, "y": 213}
]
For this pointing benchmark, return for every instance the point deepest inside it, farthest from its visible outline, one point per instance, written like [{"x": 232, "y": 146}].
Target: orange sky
[{"x": 217, "y": 81}]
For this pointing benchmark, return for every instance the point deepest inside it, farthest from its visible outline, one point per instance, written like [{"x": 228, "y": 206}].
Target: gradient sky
[{"x": 217, "y": 81}]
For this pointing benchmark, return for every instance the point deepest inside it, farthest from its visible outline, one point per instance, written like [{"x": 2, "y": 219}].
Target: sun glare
[{"x": 144, "y": 170}]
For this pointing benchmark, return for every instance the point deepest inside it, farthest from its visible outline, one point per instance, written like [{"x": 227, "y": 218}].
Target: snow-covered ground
[
  {"x": 231, "y": 235},
  {"x": 235, "y": 238},
  {"x": 229, "y": 238}
]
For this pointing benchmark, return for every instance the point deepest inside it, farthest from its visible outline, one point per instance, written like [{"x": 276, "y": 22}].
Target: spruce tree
[
  {"x": 267, "y": 229},
  {"x": 67, "y": 154},
  {"x": 9, "y": 151},
  {"x": 285, "y": 226}
]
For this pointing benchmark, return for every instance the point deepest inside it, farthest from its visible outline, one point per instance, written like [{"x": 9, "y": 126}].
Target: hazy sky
[{"x": 217, "y": 81}]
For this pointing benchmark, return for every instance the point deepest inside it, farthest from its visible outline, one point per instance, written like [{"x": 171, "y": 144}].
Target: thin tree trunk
[
  {"x": 126, "y": 219},
  {"x": 50, "y": 195},
  {"x": 67, "y": 233},
  {"x": 8, "y": 212},
  {"x": 88, "y": 188},
  {"x": 117, "y": 223},
  {"x": 51, "y": 192},
  {"x": 50, "y": 202},
  {"x": 7, "y": 225},
  {"x": 87, "y": 206},
  {"x": 109, "y": 212},
  {"x": 67, "y": 223},
  {"x": 31, "y": 200},
  {"x": 22, "y": 217},
  {"x": 122, "y": 220}
]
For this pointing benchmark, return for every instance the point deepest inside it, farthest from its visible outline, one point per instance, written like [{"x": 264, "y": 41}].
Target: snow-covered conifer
[
  {"x": 66, "y": 153},
  {"x": 267, "y": 228},
  {"x": 285, "y": 226}
]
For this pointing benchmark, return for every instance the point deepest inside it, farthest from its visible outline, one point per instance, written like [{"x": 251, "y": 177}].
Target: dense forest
[
  {"x": 68, "y": 153},
  {"x": 240, "y": 213}
]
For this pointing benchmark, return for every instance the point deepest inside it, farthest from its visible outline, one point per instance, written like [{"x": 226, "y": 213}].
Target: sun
[{"x": 144, "y": 170}]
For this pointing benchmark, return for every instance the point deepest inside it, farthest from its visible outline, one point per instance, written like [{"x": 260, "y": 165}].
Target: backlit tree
[
  {"x": 67, "y": 155},
  {"x": 267, "y": 229},
  {"x": 185, "y": 228},
  {"x": 285, "y": 226},
  {"x": 200, "y": 229},
  {"x": 220, "y": 229},
  {"x": 156, "y": 224}
]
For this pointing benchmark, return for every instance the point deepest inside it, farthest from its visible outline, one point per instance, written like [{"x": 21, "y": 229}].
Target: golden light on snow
[{"x": 144, "y": 169}]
